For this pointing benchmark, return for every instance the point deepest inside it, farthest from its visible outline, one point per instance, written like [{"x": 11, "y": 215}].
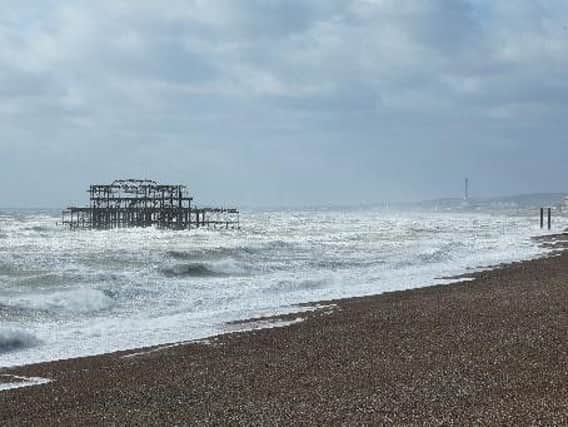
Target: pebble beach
[{"x": 488, "y": 350}]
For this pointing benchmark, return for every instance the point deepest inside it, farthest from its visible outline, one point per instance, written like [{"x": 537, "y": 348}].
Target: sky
[{"x": 283, "y": 102}]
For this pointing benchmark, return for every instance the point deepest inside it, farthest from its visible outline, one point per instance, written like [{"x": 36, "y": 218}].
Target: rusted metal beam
[{"x": 144, "y": 203}]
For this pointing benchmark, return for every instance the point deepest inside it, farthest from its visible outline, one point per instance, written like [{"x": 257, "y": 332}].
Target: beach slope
[{"x": 493, "y": 350}]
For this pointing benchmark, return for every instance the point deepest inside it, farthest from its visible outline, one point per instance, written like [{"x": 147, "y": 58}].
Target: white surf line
[
  {"x": 255, "y": 325},
  {"x": 317, "y": 307},
  {"x": 270, "y": 323},
  {"x": 450, "y": 281},
  {"x": 247, "y": 325},
  {"x": 164, "y": 347},
  {"x": 250, "y": 326},
  {"x": 154, "y": 350},
  {"x": 22, "y": 382}
]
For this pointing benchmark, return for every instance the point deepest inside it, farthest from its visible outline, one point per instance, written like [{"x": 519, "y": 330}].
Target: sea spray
[{"x": 94, "y": 292}]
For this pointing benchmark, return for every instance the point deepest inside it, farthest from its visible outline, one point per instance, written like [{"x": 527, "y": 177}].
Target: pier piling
[{"x": 144, "y": 203}]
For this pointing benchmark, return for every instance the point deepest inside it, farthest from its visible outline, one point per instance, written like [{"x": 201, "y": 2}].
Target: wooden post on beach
[
  {"x": 549, "y": 218},
  {"x": 541, "y": 217}
]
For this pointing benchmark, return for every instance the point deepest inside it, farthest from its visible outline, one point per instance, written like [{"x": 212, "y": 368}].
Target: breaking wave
[
  {"x": 444, "y": 253},
  {"x": 300, "y": 285},
  {"x": 92, "y": 292},
  {"x": 199, "y": 269},
  {"x": 190, "y": 270},
  {"x": 345, "y": 264},
  {"x": 14, "y": 339},
  {"x": 210, "y": 253},
  {"x": 80, "y": 301}
]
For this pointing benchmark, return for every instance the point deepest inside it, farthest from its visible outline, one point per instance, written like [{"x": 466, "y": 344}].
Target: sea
[{"x": 66, "y": 294}]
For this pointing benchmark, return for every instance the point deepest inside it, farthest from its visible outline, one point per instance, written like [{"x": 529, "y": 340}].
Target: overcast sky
[{"x": 283, "y": 102}]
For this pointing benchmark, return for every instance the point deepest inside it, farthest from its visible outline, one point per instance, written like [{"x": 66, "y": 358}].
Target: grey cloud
[{"x": 276, "y": 102}]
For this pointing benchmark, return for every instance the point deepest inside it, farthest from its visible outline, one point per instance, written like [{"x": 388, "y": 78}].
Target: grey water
[{"x": 66, "y": 294}]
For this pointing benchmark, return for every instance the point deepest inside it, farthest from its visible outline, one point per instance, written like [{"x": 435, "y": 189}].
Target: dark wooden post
[
  {"x": 541, "y": 217},
  {"x": 549, "y": 218}
]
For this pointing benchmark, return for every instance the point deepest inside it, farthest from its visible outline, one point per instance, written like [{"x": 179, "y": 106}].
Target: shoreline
[{"x": 488, "y": 350}]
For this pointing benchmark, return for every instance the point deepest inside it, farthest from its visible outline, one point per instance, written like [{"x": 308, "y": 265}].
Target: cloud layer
[{"x": 284, "y": 101}]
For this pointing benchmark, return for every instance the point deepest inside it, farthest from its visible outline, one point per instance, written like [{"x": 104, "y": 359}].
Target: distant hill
[{"x": 516, "y": 202}]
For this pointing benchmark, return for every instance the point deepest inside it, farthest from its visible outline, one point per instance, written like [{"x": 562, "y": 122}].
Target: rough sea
[{"x": 66, "y": 294}]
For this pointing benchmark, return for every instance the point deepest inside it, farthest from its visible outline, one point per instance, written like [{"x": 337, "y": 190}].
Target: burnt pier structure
[{"x": 145, "y": 203}]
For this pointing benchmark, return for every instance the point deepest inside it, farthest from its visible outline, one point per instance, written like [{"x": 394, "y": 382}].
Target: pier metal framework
[{"x": 145, "y": 203}]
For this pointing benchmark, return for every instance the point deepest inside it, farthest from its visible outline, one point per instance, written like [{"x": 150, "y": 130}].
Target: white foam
[
  {"x": 21, "y": 382},
  {"x": 253, "y": 325},
  {"x": 112, "y": 292},
  {"x": 81, "y": 300}
]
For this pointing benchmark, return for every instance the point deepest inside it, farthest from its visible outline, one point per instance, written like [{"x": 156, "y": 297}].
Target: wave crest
[
  {"x": 15, "y": 339},
  {"x": 190, "y": 270},
  {"x": 73, "y": 301},
  {"x": 227, "y": 267}
]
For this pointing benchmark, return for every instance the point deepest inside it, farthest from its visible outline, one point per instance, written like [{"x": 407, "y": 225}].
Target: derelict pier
[{"x": 145, "y": 203}]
